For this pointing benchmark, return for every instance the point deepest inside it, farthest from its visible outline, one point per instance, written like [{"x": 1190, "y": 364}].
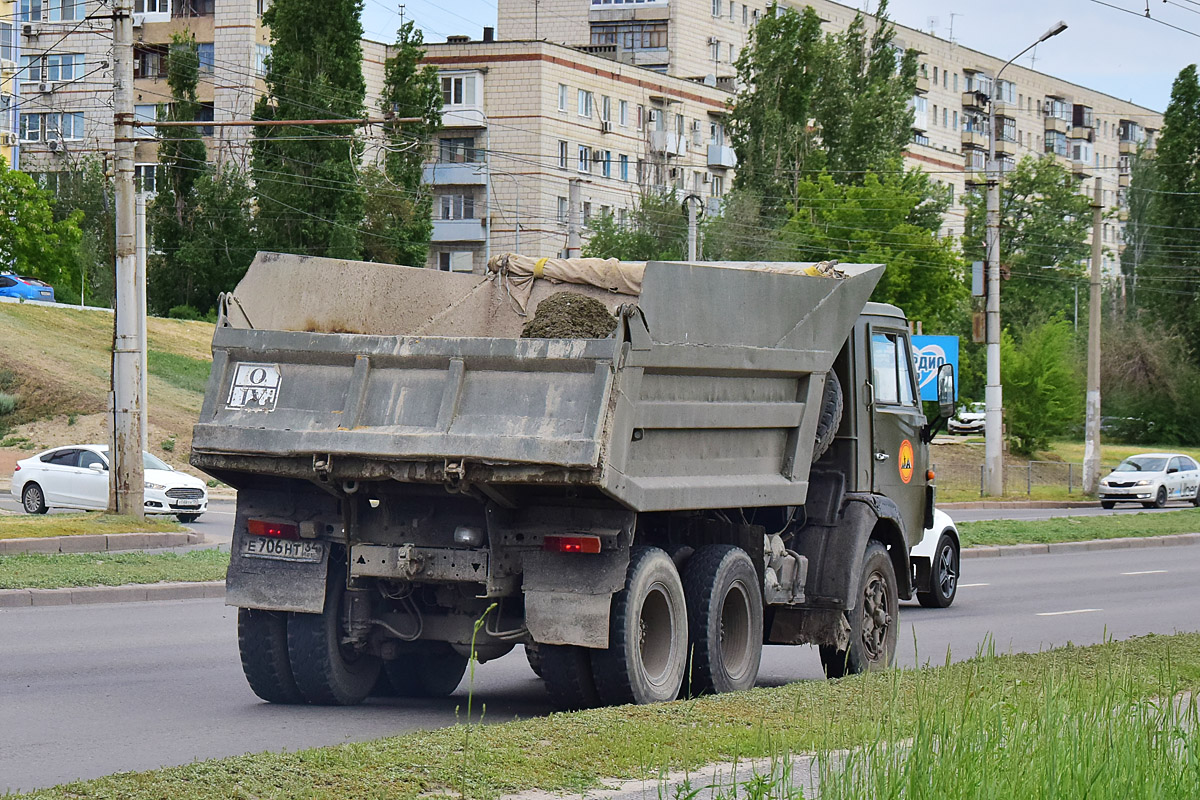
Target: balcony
[
  {"x": 721, "y": 156},
  {"x": 443, "y": 173},
  {"x": 975, "y": 176},
  {"x": 1057, "y": 124},
  {"x": 459, "y": 230},
  {"x": 464, "y": 117},
  {"x": 1127, "y": 148},
  {"x": 668, "y": 143},
  {"x": 1084, "y": 133},
  {"x": 1006, "y": 147},
  {"x": 922, "y": 84},
  {"x": 974, "y": 101},
  {"x": 1123, "y": 181},
  {"x": 1081, "y": 169},
  {"x": 977, "y": 139}
]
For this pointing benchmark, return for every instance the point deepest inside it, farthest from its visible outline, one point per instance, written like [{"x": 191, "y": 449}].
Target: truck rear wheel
[
  {"x": 725, "y": 620},
  {"x": 873, "y": 621},
  {"x": 328, "y": 672},
  {"x": 429, "y": 669},
  {"x": 647, "y": 640},
  {"x": 567, "y": 670},
  {"x": 262, "y": 641}
]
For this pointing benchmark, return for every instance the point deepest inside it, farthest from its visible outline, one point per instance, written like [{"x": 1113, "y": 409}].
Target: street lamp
[{"x": 993, "y": 398}]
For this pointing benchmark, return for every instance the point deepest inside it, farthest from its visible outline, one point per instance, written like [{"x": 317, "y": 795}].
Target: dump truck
[{"x": 742, "y": 461}]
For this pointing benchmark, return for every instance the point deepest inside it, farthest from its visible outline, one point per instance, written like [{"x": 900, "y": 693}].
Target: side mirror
[
  {"x": 945, "y": 390},
  {"x": 96, "y": 466},
  {"x": 1172, "y": 470}
]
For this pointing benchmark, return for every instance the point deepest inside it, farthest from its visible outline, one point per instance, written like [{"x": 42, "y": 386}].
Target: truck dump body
[{"x": 702, "y": 397}]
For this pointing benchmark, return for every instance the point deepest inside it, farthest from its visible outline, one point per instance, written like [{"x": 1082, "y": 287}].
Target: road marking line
[
  {"x": 1075, "y": 611},
  {"x": 972, "y": 585},
  {"x": 1146, "y": 572}
]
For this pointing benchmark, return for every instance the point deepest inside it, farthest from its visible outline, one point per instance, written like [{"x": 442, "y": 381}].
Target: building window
[
  {"x": 456, "y": 261},
  {"x": 935, "y": 114},
  {"x": 920, "y": 138},
  {"x": 745, "y": 14},
  {"x": 151, "y": 6},
  {"x": 714, "y": 50},
  {"x": 732, "y": 5},
  {"x": 459, "y": 150},
  {"x": 606, "y": 108},
  {"x": 623, "y": 113},
  {"x": 631, "y": 35},
  {"x": 262, "y": 52},
  {"x": 562, "y": 97},
  {"x": 8, "y": 41},
  {"x": 623, "y": 162},
  {"x": 585, "y": 158},
  {"x": 585, "y": 103},
  {"x": 587, "y": 213},
  {"x": 956, "y": 81},
  {"x": 718, "y": 185},
  {"x": 716, "y": 8},
  {"x": 457, "y": 206},
  {"x": 562, "y": 154},
  {"x": 53, "y": 126},
  {"x": 641, "y": 117},
  {"x": 945, "y": 117},
  {"x": 1006, "y": 129},
  {"x": 954, "y": 120},
  {"x": 50, "y": 10},
  {"x": 145, "y": 178},
  {"x": 207, "y": 57},
  {"x": 145, "y": 112},
  {"x": 564, "y": 210},
  {"x": 1006, "y": 92},
  {"x": 1056, "y": 142},
  {"x": 606, "y": 164},
  {"x": 458, "y": 90},
  {"x": 935, "y": 75},
  {"x": 53, "y": 67}
]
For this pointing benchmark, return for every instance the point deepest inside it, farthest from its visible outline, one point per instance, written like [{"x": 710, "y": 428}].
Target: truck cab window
[{"x": 890, "y": 369}]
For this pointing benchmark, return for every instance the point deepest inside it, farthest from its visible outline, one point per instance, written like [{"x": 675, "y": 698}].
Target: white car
[
  {"x": 1152, "y": 479},
  {"x": 969, "y": 419},
  {"x": 76, "y": 477},
  {"x": 936, "y": 560}
]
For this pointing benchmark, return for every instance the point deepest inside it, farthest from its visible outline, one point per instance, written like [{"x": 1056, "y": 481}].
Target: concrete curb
[
  {"x": 971, "y": 505},
  {"x": 99, "y": 543},
  {"x": 128, "y": 593},
  {"x": 1010, "y": 550}
]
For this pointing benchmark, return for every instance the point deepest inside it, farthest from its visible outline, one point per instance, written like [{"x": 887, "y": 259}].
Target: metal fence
[{"x": 1019, "y": 478}]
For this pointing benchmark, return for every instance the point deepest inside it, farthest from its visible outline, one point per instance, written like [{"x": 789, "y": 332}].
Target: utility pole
[
  {"x": 993, "y": 393},
  {"x": 1091, "y": 447},
  {"x": 140, "y": 281},
  {"x": 126, "y": 478},
  {"x": 691, "y": 201},
  {"x": 574, "y": 211}
]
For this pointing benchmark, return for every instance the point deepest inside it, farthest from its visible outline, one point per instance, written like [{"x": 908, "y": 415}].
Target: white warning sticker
[{"x": 255, "y": 387}]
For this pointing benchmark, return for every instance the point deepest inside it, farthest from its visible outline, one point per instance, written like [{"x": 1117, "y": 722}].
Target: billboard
[{"x": 930, "y": 352}]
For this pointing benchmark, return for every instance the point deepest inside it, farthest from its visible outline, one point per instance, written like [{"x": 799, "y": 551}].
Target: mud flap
[
  {"x": 275, "y": 585},
  {"x": 568, "y": 597}
]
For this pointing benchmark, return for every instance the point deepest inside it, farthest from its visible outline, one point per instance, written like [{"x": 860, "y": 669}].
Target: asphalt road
[{"x": 91, "y": 690}]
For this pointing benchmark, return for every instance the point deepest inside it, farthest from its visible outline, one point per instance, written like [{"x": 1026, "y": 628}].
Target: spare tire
[{"x": 831, "y": 415}]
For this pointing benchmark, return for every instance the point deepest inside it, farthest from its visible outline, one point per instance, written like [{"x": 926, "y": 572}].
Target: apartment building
[
  {"x": 65, "y": 78},
  {"x": 1092, "y": 133},
  {"x": 10, "y": 52},
  {"x": 524, "y": 120}
]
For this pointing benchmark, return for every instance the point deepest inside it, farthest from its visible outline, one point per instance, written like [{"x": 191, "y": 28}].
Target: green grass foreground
[
  {"x": 61, "y": 570},
  {"x": 28, "y": 526},
  {"x": 569, "y": 752},
  {"x": 1077, "y": 529}
]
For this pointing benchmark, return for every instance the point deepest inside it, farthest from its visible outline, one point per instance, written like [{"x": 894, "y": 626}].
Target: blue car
[{"x": 25, "y": 288}]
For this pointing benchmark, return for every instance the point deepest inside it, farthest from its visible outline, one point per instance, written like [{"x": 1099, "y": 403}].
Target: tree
[
  {"x": 1042, "y": 388},
  {"x": 1044, "y": 225},
  {"x": 838, "y": 101},
  {"x": 306, "y": 178},
  {"x": 891, "y": 219},
  {"x": 399, "y": 206},
  {"x": 1141, "y": 236},
  {"x": 200, "y": 219},
  {"x": 1170, "y": 275},
  {"x": 657, "y": 230},
  {"x": 85, "y": 192},
  {"x": 32, "y": 241}
]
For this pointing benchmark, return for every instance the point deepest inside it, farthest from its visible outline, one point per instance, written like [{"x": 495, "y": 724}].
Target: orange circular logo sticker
[{"x": 906, "y": 461}]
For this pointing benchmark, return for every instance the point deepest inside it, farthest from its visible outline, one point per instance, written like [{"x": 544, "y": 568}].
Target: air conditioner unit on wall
[
  {"x": 45, "y": 87},
  {"x": 605, "y": 126},
  {"x": 53, "y": 145}
]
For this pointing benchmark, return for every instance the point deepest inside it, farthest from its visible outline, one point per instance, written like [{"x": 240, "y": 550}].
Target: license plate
[
  {"x": 187, "y": 504},
  {"x": 282, "y": 549}
]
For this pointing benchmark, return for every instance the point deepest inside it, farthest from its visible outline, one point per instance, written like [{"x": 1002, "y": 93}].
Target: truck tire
[
  {"x": 327, "y": 672},
  {"x": 262, "y": 640},
  {"x": 831, "y": 415},
  {"x": 567, "y": 670},
  {"x": 943, "y": 575},
  {"x": 873, "y": 620},
  {"x": 725, "y": 620},
  {"x": 533, "y": 654},
  {"x": 430, "y": 669},
  {"x": 647, "y": 638}
]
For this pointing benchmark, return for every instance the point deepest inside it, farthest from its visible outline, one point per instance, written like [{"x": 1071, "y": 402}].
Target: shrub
[
  {"x": 1043, "y": 393},
  {"x": 168, "y": 445},
  {"x": 8, "y": 403}
]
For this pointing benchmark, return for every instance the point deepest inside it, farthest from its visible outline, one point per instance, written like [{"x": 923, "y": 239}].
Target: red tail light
[
  {"x": 279, "y": 530},
  {"x": 571, "y": 544},
  {"x": 18, "y": 469}
]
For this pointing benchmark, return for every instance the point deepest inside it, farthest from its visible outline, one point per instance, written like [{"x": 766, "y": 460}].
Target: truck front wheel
[
  {"x": 429, "y": 669},
  {"x": 725, "y": 620},
  {"x": 327, "y": 671},
  {"x": 262, "y": 641},
  {"x": 647, "y": 639},
  {"x": 873, "y": 622}
]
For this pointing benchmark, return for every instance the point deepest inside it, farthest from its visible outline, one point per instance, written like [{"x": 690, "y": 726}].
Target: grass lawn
[
  {"x": 1075, "y": 529},
  {"x": 570, "y": 752},
  {"x": 1113, "y": 454},
  {"x": 25, "y": 526},
  {"x": 60, "y": 570}
]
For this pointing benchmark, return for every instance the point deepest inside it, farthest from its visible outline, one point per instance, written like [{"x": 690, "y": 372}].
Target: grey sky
[{"x": 1123, "y": 54}]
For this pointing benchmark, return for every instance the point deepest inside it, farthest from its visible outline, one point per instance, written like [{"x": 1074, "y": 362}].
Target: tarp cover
[{"x": 518, "y": 273}]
